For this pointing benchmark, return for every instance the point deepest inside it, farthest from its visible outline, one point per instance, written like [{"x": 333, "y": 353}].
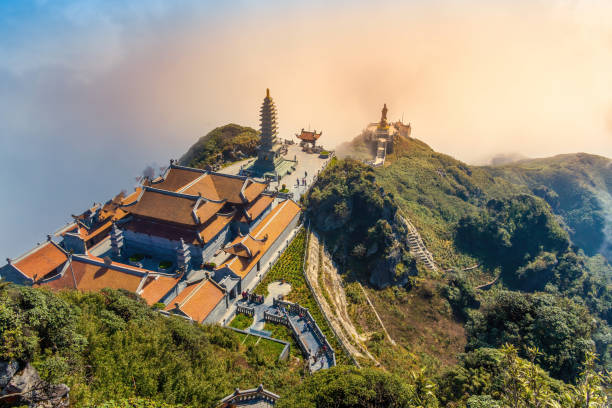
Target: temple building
[
  {"x": 308, "y": 137},
  {"x": 165, "y": 240},
  {"x": 190, "y": 239},
  {"x": 270, "y": 163},
  {"x": 254, "y": 398},
  {"x": 384, "y": 135},
  {"x": 42, "y": 261}
]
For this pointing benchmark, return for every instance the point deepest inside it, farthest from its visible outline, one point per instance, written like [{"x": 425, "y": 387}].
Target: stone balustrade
[{"x": 246, "y": 310}]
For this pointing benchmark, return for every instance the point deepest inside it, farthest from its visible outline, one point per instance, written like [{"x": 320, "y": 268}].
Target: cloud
[{"x": 95, "y": 90}]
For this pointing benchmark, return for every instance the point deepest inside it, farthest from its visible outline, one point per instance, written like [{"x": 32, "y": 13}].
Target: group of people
[{"x": 252, "y": 297}]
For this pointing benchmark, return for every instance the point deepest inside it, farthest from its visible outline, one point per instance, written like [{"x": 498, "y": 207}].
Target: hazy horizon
[{"x": 92, "y": 92}]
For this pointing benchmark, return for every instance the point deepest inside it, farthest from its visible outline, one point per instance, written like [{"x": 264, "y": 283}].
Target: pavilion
[{"x": 307, "y": 136}]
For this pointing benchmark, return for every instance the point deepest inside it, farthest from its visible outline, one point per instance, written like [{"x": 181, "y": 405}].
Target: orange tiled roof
[
  {"x": 175, "y": 179},
  {"x": 156, "y": 287},
  {"x": 253, "y": 189},
  {"x": 43, "y": 260},
  {"x": 90, "y": 277},
  {"x": 271, "y": 226},
  {"x": 225, "y": 187},
  {"x": 173, "y": 208},
  {"x": 109, "y": 212},
  {"x": 217, "y": 224},
  {"x": 246, "y": 247},
  {"x": 258, "y": 206},
  {"x": 198, "y": 300},
  {"x": 182, "y": 296},
  {"x": 309, "y": 136},
  {"x": 207, "y": 209}
]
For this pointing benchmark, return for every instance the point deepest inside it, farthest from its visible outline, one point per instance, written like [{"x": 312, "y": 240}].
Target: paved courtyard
[{"x": 309, "y": 164}]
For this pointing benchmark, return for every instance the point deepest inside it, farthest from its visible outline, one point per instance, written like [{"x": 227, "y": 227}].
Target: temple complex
[
  {"x": 270, "y": 163},
  {"x": 189, "y": 241},
  {"x": 165, "y": 240}
]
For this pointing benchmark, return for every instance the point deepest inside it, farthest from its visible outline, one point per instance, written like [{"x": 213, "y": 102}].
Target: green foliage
[
  {"x": 577, "y": 187},
  {"x": 518, "y": 234},
  {"x": 460, "y": 294},
  {"x": 345, "y": 386},
  {"x": 137, "y": 403},
  {"x": 112, "y": 345},
  {"x": 241, "y": 321},
  {"x": 290, "y": 268},
  {"x": 222, "y": 143},
  {"x": 558, "y": 327},
  {"x": 37, "y": 322},
  {"x": 354, "y": 215},
  {"x": 136, "y": 257}
]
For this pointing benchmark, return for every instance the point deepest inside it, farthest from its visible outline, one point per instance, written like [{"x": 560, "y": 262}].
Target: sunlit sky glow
[{"x": 91, "y": 92}]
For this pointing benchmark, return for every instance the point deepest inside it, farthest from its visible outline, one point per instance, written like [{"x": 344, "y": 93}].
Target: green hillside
[
  {"x": 480, "y": 224},
  {"x": 578, "y": 188},
  {"x": 541, "y": 332},
  {"x": 222, "y": 145},
  {"x": 114, "y": 351}
]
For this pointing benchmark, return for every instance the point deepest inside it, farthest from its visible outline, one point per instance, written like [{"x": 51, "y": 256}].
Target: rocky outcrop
[
  {"x": 21, "y": 385},
  {"x": 7, "y": 370},
  {"x": 385, "y": 270}
]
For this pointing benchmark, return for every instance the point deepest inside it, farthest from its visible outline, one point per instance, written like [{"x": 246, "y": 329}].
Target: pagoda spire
[{"x": 268, "y": 128}]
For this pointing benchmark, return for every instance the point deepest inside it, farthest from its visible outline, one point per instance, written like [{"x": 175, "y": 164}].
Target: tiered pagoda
[{"x": 269, "y": 163}]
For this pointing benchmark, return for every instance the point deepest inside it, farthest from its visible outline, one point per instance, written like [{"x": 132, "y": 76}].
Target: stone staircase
[
  {"x": 416, "y": 245},
  {"x": 381, "y": 153}
]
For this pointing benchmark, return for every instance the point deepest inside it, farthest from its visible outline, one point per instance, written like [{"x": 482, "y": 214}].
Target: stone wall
[
  {"x": 10, "y": 274},
  {"x": 136, "y": 242},
  {"x": 215, "y": 244},
  {"x": 217, "y": 313}
]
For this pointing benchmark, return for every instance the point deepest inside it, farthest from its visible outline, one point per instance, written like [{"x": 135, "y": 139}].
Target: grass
[
  {"x": 265, "y": 349},
  {"x": 289, "y": 267},
  {"x": 241, "y": 321},
  {"x": 284, "y": 333}
]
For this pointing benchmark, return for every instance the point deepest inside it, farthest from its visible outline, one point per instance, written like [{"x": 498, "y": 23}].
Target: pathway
[
  {"x": 416, "y": 245},
  {"x": 377, "y": 316},
  {"x": 275, "y": 289},
  {"x": 337, "y": 312},
  {"x": 313, "y": 344}
]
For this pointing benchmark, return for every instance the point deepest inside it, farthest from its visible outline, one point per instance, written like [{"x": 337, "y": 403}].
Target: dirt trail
[
  {"x": 337, "y": 312},
  {"x": 377, "y": 316}
]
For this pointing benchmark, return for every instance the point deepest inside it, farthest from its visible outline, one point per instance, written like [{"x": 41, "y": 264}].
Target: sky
[{"x": 94, "y": 91}]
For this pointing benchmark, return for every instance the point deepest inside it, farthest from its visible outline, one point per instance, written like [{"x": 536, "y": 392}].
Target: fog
[{"x": 92, "y": 93}]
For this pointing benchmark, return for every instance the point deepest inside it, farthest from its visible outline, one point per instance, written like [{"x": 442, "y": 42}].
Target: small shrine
[{"x": 308, "y": 137}]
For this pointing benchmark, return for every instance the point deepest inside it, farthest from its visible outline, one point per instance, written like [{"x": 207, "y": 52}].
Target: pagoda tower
[
  {"x": 269, "y": 129},
  {"x": 270, "y": 163},
  {"x": 116, "y": 239}
]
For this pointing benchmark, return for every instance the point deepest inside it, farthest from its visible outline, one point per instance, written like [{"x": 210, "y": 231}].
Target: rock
[
  {"x": 384, "y": 273},
  {"x": 7, "y": 371},
  {"x": 372, "y": 249},
  {"x": 30, "y": 389}
]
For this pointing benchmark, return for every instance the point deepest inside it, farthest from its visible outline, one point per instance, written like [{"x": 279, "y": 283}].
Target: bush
[
  {"x": 558, "y": 327},
  {"x": 136, "y": 257}
]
